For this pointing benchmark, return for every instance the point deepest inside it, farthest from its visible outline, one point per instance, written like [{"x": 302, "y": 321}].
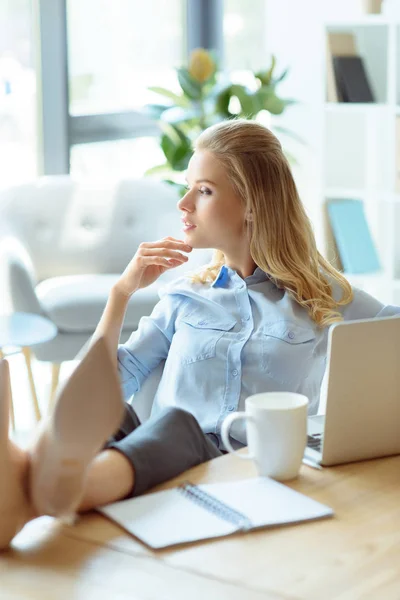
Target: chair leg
[
  {"x": 28, "y": 357},
  {"x": 55, "y": 376},
  {"x": 12, "y": 411}
]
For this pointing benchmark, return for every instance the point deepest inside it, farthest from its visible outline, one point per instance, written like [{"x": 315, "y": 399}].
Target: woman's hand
[{"x": 151, "y": 260}]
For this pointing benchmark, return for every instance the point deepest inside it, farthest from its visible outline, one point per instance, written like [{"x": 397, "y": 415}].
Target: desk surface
[{"x": 354, "y": 555}]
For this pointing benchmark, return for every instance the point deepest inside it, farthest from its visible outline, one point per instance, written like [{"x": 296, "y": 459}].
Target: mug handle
[{"x": 226, "y": 425}]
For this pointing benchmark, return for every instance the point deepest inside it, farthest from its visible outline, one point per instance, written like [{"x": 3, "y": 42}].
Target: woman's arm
[
  {"x": 150, "y": 261},
  {"x": 111, "y": 322}
]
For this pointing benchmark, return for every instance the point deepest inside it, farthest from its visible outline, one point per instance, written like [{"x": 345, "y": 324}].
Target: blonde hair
[{"x": 282, "y": 241}]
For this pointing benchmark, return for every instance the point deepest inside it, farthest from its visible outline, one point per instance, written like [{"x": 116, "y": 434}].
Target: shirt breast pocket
[
  {"x": 197, "y": 336},
  {"x": 287, "y": 351}
]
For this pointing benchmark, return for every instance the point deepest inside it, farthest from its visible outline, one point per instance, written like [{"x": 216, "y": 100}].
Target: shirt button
[
  {"x": 231, "y": 408},
  {"x": 291, "y": 335},
  {"x": 235, "y": 372},
  {"x": 246, "y": 318},
  {"x": 202, "y": 323}
]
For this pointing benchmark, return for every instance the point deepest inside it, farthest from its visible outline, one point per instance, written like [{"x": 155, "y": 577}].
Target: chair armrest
[{"x": 18, "y": 279}]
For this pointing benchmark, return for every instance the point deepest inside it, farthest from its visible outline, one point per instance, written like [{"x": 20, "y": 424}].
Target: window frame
[{"x": 58, "y": 130}]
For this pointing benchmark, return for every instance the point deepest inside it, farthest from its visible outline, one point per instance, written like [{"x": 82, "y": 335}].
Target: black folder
[{"x": 352, "y": 79}]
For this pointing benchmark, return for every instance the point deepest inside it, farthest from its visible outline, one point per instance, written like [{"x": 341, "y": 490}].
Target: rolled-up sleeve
[{"x": 148, "y": 345}]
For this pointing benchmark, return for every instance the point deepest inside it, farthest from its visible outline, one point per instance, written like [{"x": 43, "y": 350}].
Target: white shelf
[
  {"x": 359, "y": 146},
  {"x": 345, "y": 193},
  {"x": 358, "y": 107},
  {"x": 362, "y": 21}
]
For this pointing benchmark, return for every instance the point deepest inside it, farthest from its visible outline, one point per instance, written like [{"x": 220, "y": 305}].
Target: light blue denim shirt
[{"x": 227, "y": 340}]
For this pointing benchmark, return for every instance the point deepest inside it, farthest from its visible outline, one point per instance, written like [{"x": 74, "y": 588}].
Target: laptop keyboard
[{"x": 315, "y": 441}]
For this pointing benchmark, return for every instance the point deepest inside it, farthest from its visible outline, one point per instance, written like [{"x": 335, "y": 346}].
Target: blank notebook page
[
  {"x": 166, "y": 518},
  {"x": 267, "y": 502},
  {"x": 170, "y": 517}
]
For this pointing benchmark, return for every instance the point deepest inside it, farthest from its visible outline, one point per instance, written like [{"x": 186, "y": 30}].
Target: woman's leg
[
  {"x": 110, "y": 476},
  {"x": 50, "y": 478},
  {"x": 163, "y": 447},
  {"x": 15, "y": 508},
  {"x": 89, "y": 409}
]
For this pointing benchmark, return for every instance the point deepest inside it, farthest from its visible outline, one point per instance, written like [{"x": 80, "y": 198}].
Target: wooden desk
[{"x": 354, "y": 555}]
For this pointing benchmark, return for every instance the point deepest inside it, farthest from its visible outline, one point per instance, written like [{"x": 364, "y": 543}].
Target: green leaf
[
  {"x": 165, "y": 168},
  {"x": 180, "y": 187},
  {"x": 182, "y": 157},
  {"x": 249, "y": 105},
  {"x": 190, "y": 87},
  {"x": 222, "y": 102},
  {"x": 263, "y": 94},
  {"x": 274, "y": 105},
  {"x": 247, "y": 101},
  {"x": 262, "y": 76},
  {"x": 270, "y": 71},
  {"x": 266, "y": 76},
  {"x": 168, "y": 147},
  {"x": 178, "y": 100},
  {"x": 177, "y": 147},
  {"x": 282, "y": 76}
]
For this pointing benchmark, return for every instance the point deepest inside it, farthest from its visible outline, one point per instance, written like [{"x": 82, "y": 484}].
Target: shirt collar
[
  {"x": 225, "y": 274},
  {"x": 222, "y": 278}
]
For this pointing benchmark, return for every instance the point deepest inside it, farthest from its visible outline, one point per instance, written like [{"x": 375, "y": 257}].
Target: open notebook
[{"x": 190, "y": 513}]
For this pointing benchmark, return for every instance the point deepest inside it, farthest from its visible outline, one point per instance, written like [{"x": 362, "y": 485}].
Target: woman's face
[{"x": 212, "y": 212}]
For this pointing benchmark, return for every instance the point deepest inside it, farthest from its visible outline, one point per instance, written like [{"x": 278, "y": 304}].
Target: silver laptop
[{"x": 362, "y": 418}]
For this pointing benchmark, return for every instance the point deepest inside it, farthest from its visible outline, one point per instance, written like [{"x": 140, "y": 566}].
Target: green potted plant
[{"x": 206, "y": 98}]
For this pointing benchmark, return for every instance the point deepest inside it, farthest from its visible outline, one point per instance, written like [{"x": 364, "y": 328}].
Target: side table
[{"x": 18, "y": 333}]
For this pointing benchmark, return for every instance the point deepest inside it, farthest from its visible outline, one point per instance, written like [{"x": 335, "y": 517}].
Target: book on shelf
[
  {"x": 337, "y": 44},
  {"x": 372, "y": 7},
  {"x": 352, "y": 236},
  {"x": 351, "y": 79}
]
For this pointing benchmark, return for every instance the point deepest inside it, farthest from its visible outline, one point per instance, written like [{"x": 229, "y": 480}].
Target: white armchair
[{"x": 64, "y": 243}]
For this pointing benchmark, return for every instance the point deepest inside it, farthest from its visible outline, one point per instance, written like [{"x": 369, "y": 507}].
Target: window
[
  {"x": 18, "y": 137},
  {"x": 244, "y": 35},
  {"x": 119, "y": 158},
  {"x": 118, "y": 49}
]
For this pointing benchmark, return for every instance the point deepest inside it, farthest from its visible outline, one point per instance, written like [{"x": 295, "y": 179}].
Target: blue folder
[{"x": 352, "y": 235}]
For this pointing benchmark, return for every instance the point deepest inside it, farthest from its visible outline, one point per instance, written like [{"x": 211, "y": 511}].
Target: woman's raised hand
[{"x": 151, "y": 260}]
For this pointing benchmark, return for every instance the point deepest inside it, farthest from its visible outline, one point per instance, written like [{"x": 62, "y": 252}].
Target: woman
[{"x": 254, "y": 320}]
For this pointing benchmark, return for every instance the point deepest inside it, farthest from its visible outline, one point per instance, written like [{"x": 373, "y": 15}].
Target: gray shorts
[{"x": 163, "y": 447}]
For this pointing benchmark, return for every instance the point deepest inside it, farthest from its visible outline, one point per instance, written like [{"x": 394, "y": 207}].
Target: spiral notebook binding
[{"x": 215, "y": 506}]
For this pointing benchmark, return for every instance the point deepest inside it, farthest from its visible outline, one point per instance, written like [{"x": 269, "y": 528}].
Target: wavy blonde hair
[{"x": 282, "y": 241}]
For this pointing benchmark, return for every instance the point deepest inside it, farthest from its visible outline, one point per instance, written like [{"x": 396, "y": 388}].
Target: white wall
[{"x": 294, "y": 35}]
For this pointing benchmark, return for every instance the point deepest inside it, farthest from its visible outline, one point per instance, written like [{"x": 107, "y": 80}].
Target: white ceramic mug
[{"x": 276, "y": 426}]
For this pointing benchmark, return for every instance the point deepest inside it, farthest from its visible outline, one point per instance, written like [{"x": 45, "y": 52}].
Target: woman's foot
[
  {"x": 88, "y": 411},
  {"x": 15, "y": 509}
]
